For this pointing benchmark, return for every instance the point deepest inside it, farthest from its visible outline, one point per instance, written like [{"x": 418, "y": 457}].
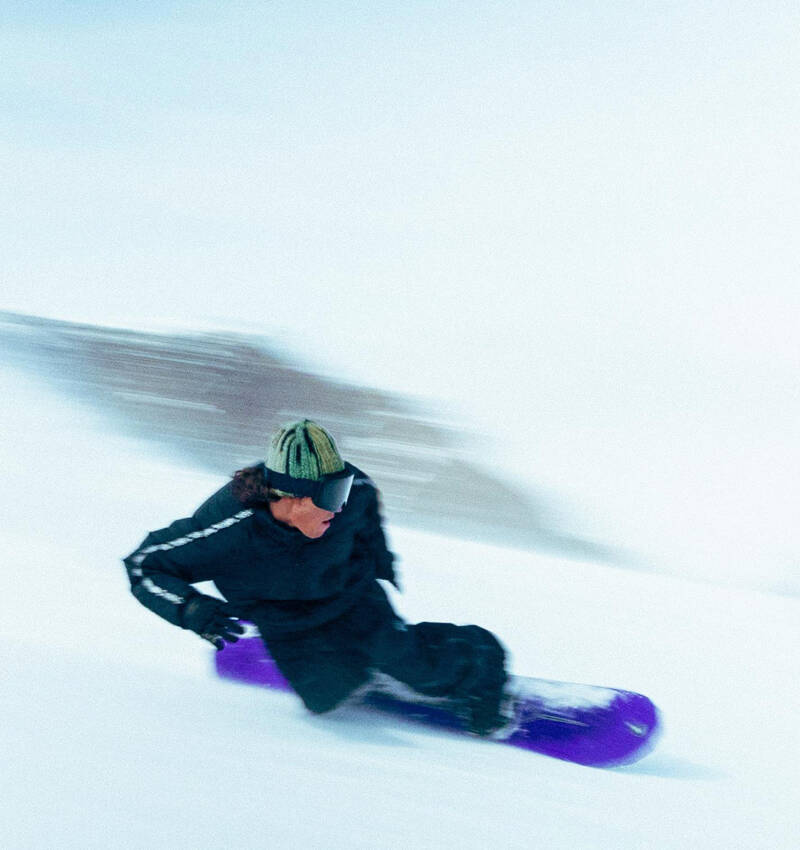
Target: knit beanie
[{"x": 304, "y": 450}]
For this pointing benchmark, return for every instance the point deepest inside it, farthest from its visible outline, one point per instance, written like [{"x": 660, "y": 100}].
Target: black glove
[{"x": 212, "y": 619}]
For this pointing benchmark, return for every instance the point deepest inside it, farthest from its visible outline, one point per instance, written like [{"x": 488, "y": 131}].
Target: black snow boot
[{"x": 492, "y": 715}]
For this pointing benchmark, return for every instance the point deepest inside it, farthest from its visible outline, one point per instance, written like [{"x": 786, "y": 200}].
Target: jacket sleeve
[
  {"x": 371, "y": 539},
  {"x": 167, "y": 563}
]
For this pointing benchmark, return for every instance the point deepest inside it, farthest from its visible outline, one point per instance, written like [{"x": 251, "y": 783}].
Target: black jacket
[{"x": 266, "y": 570}]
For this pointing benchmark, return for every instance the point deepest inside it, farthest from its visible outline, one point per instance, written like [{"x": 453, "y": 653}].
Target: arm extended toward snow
[{"x": 162, "y": 570}]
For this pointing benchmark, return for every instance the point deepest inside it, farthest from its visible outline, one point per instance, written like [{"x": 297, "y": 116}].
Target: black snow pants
[{"x": 326, "y": 664}]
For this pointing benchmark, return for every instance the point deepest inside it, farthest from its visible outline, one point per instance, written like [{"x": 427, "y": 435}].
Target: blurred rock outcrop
[{"x": 214, "y": 398}]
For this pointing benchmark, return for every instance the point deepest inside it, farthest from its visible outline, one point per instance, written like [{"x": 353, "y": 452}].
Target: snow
[
  {"x": 116, "y": 733},
  {"x": 572, "y": 227}
]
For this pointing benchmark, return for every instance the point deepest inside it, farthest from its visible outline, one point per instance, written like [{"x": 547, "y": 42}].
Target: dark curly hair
[{"x": 250, "y": 487}]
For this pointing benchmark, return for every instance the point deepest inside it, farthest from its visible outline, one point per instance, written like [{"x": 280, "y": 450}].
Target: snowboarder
[{"x": 296, "y": 545}]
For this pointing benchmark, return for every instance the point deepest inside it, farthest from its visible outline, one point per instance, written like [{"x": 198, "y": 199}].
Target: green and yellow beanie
[{"x": 304, "y": 450}]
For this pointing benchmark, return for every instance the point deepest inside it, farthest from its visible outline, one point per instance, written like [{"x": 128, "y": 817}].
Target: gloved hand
[{"x": 212, "y": 619}]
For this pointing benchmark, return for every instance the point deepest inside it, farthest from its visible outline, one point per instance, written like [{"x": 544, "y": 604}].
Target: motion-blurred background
[{"x": 534, "y": 264}]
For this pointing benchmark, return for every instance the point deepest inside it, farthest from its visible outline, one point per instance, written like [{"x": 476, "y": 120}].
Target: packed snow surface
[
  {"x": 573, "y": 227},
  {"x": 115, "y": 733}
]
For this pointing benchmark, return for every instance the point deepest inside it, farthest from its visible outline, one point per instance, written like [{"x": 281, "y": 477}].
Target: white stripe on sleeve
[{"x": 139, "y": 556}]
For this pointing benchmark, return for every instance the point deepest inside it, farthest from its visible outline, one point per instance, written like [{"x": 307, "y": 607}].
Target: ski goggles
[{"x": 329, "y": 493}]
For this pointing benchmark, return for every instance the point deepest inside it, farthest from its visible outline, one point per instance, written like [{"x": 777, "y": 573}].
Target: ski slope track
[
  {"x": 536, "y": 264},
  {"x": 117, "y": 734}
]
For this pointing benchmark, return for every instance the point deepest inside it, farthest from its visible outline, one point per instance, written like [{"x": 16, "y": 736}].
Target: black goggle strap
[
  {"x": 336, "y": 486},
  {"x": 287, "y": 484}
]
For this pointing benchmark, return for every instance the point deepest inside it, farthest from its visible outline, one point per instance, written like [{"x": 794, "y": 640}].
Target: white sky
[{"x": 573, "y": 224}]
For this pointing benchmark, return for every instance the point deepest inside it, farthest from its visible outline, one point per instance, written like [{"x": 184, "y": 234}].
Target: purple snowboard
[{"x": 586, "y": 724}]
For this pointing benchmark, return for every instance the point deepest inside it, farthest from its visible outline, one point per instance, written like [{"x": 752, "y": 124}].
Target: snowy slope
[
  {"x": 115, "y": 733},
  {"x": 571, "y": 224}
]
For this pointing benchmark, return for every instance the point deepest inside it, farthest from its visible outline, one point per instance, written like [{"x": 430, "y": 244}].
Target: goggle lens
[{"x": 332, "y": 493}]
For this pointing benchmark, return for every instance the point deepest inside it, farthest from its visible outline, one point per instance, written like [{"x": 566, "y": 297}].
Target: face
[{"x": 307, "y": 518}]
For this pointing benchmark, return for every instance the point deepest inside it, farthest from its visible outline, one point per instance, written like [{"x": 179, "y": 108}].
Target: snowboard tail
[{"x": 585, "y": 724}]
